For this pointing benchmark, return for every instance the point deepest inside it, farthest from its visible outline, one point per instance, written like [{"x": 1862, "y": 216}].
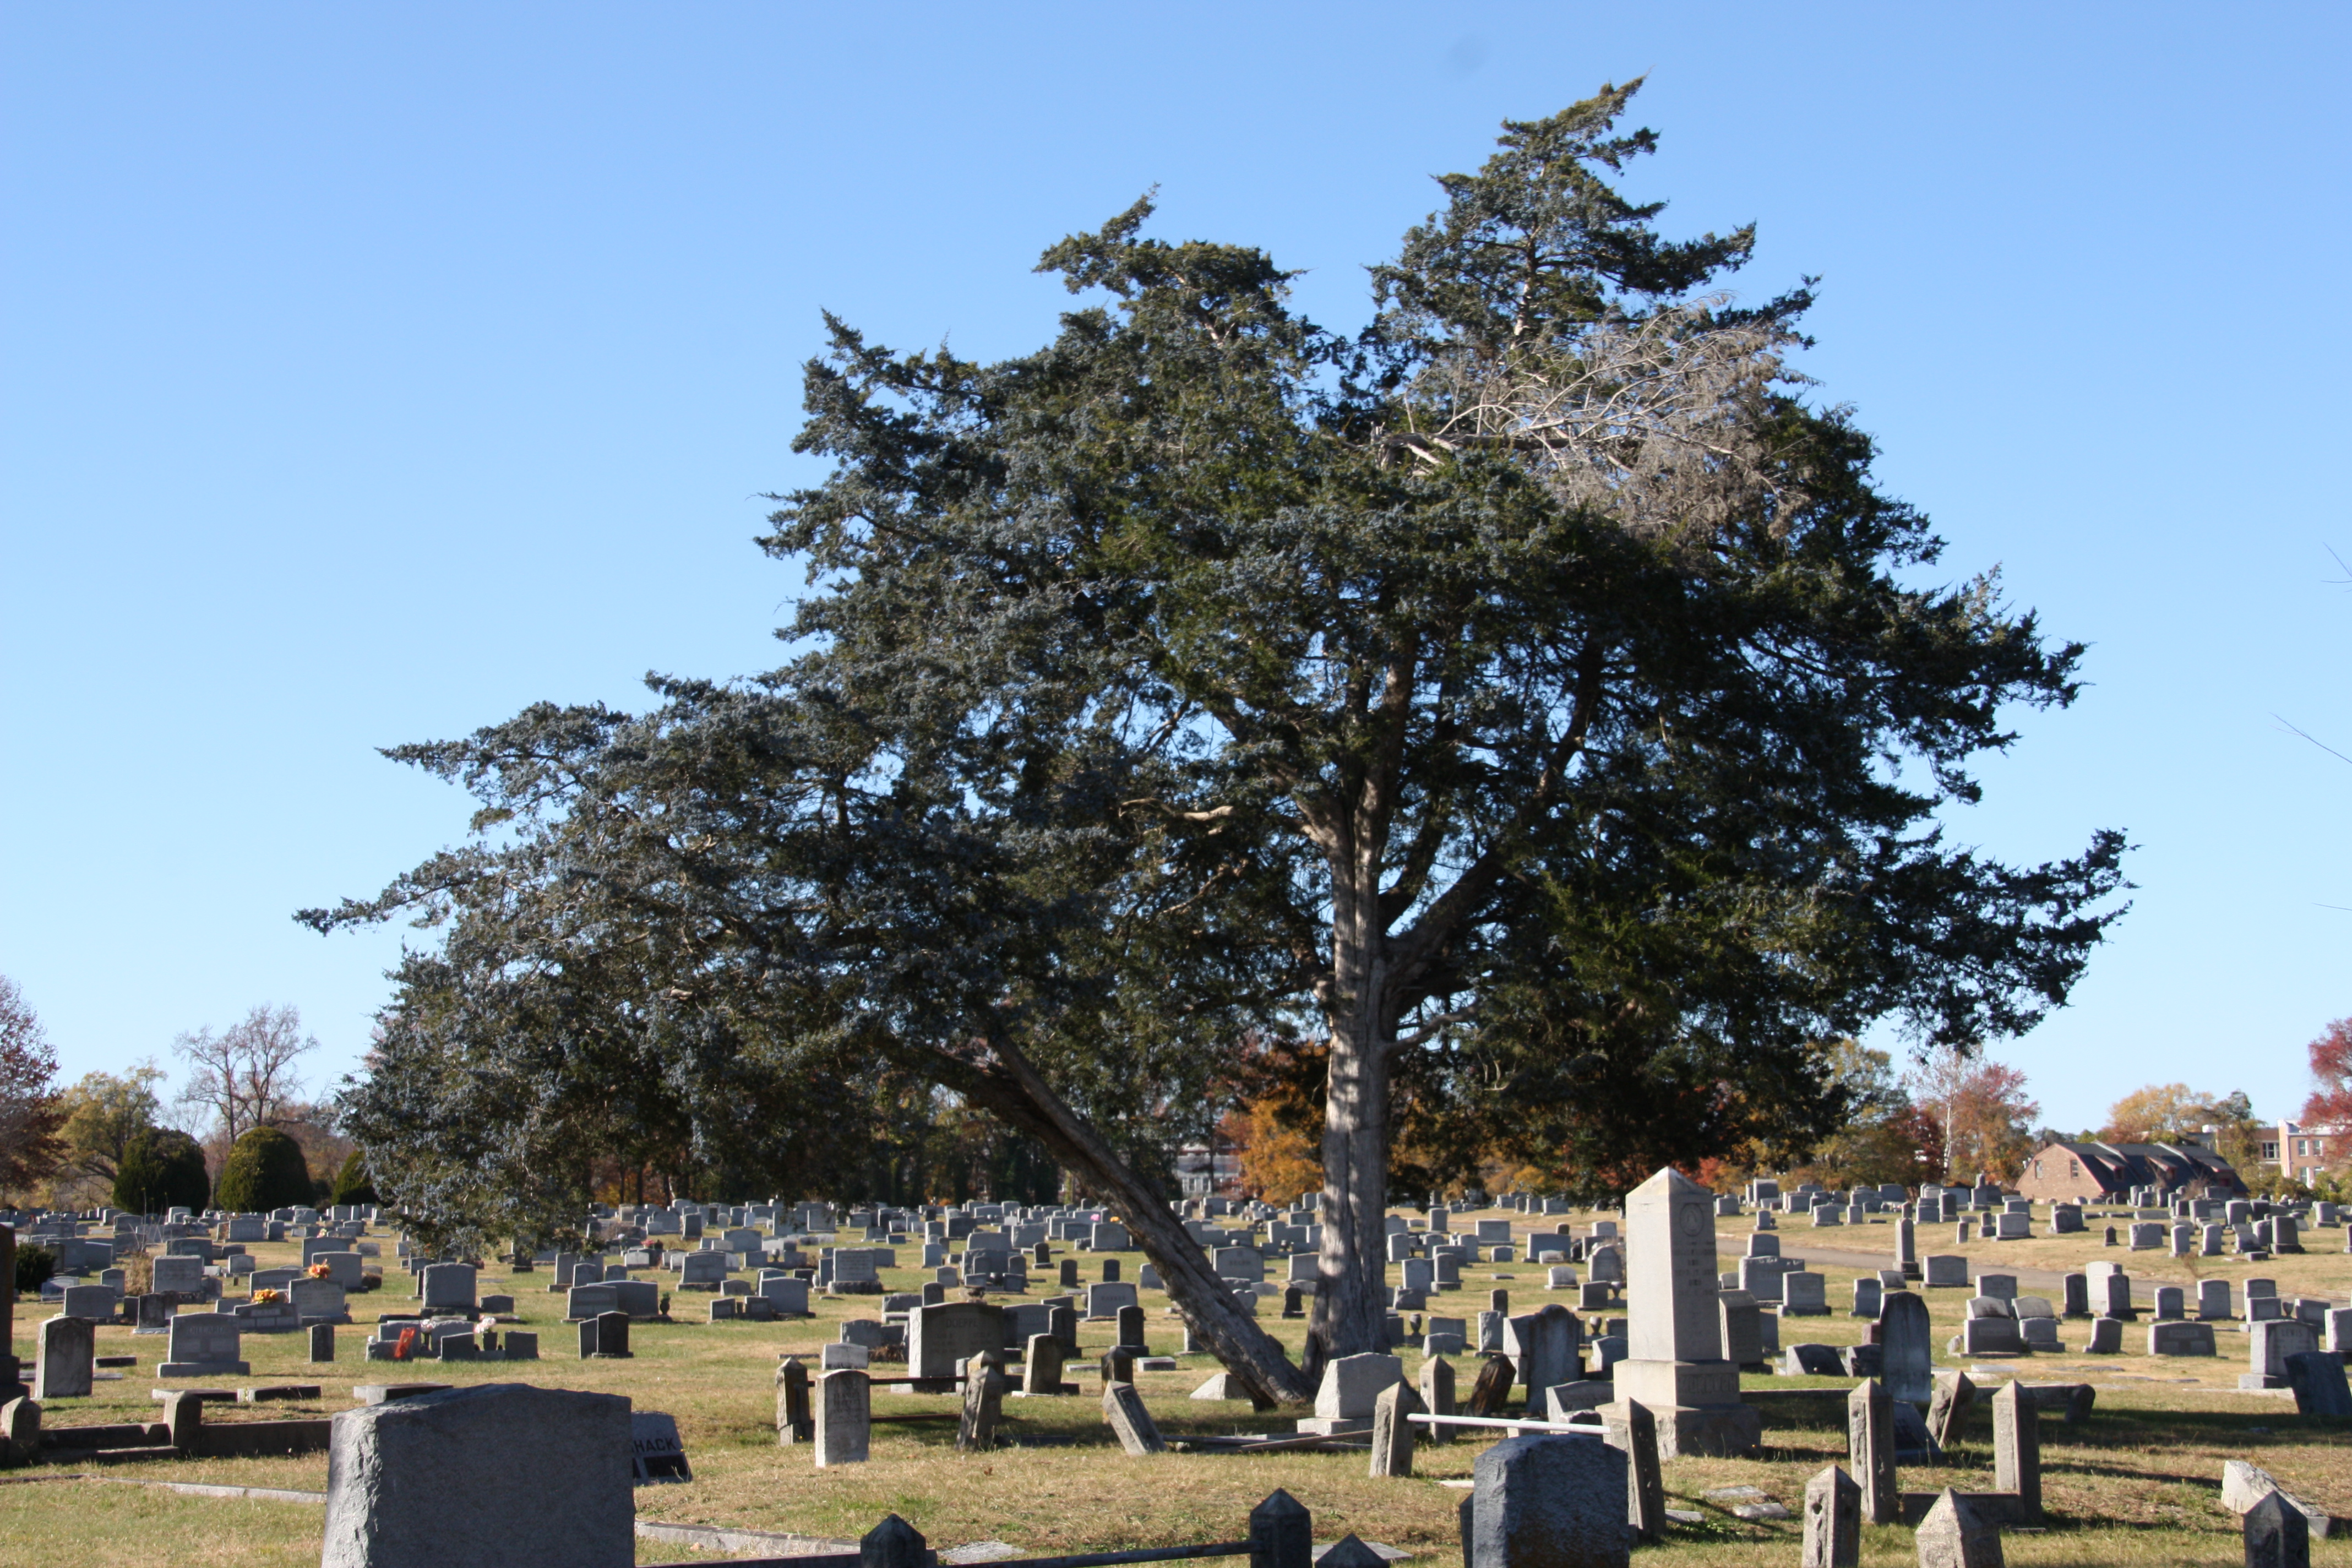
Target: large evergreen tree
[{"x": 1531, "y": 702}]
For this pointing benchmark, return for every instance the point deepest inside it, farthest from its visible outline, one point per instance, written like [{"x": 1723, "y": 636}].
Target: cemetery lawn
[{"x": 2138, "y": 1484}]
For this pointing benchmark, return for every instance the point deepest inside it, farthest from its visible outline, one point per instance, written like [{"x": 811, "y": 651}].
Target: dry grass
[{"x": 2139, "y": 1484}]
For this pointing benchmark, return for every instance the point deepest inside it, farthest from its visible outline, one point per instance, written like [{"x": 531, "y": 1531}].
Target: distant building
[
  {"x": 1201, "y": 1170},
  {"x": 2302, "y": 1152},
  {"x": 2106, "y": 1173}
]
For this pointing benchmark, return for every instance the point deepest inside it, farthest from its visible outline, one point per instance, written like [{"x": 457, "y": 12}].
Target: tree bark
[
  {"x": 1012, "y": 1088},
  {"x": 1351, "y": 1315}
]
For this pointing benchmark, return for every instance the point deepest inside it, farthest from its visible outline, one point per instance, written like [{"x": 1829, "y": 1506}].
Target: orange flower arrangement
[
  {"x": 318, "y": 1271},
  {"x": 261, "y": 1296}
]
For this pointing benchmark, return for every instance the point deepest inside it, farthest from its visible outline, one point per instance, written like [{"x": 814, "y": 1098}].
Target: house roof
[{"x": 2117, "y": 1166}]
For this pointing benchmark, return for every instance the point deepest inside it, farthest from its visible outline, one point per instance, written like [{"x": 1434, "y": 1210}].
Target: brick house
[{"x": 2106, "y": 1173}]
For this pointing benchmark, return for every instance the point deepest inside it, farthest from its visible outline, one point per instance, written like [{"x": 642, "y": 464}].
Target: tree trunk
[
  {"x": 1350, "y": 1313},
  {"x": 1014, "y": 1090}
]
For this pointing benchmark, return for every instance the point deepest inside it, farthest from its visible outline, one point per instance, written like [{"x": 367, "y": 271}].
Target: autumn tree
[
  {"x": 2157, "y": 1113},
  {"x": 1885, "y": 1138},
  {"x": 30, "y": 1114},
  {"x": 2329, "y": 1103},
  {"x": 104, "y": 1114},
  {"x": 1986, "y": 1116}
]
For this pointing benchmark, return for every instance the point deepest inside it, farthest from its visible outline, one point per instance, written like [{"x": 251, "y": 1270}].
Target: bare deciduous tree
[
  {"x": 28, "y": 1108},
  {"x": 244, "y": 1076}
]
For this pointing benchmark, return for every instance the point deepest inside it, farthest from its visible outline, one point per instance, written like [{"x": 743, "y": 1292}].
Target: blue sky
[{"x": 369, "y": 373}]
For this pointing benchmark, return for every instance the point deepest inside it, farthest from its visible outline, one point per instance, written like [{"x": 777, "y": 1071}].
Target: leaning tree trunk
[
  {"x": 1350, "y": 1311},
  {"x": 1013, "y": 1090}
]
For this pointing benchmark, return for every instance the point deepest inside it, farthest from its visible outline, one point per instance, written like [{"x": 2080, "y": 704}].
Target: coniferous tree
[{"x": 1530, "y": 706}]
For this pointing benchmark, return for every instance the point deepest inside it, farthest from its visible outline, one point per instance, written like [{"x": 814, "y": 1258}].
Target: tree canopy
[
  {"x": 264, "y": 1170},
  {"x": 162, "y": 1169},
  {"x": 1529, "y": 707}
]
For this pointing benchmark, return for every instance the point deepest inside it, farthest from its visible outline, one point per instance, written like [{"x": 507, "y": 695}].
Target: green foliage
[
  {"x": 264, "y": 1170},
  {"x": 352, "y": 1184},
  {"x": 162, "y": 1169},
  {"x": 1206, "y": 676},
  {"x": 34, "y": 1265}
]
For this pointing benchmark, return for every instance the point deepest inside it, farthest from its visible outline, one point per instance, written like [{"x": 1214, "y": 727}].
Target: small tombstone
[
  {"x": 657, "y": 1456},
  {"x": 1492, "y": 1391},
  {"x": 1437, "y": 1395},
  {"x": 983, "y": 1402},
  {"x": 1833, "y": 1520},
  {"x": 322, "y": 1342},
  {"x": 1557, "y": 1501},
  {"x": 1870, "y": 1449},
  {"x": 2317, "y": 1379},
  {"x": 1948, "y": 1410},
  {"x": 2276, "y": 1535},
  {"x": 2016, "y": 1450},
  {"x": 1130, "y": 1421},
  {"x": 1040, "y": 1366},
  {"x": 1645, "y": 1491},
  {"x": 794, "y": 1422},
  {"x": 844, "y": 1419},
  {"x": 2106, "y": 1337},
  {"x": 1955, "y": 1534},
  {"x": 64, "y": 1358},
  {"x": 1393, "y": 1432}
]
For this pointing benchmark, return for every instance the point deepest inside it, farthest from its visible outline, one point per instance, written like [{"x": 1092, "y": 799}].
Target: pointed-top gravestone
[
  {"x": 1281, "y": 1533},
  {"x": 1349, "y": 1551},
  {"x": 2276, "y": 1535},
  {"x": 1956, "y": 1535},
  {"x": 893, "y": 1543},
  {"x": 1833, "y": 1520}
]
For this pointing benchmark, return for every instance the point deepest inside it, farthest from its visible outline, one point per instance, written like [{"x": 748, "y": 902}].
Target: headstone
[
  {"x": 448, "y": 1288},
  {"x": 2276, "y": 1535},
  {"x": 1392, "y": 1433},
  {"x": 1350, "y": 1386},
  {"x": 2016, "y": 1450},
  {"x": 204, "y": 1344},
  {"x": 2317, "y": 1379},
  {"x": 1040, "y": 1366},
  {"x": 1437, "y": 1395},
  {"x": 1549, "y": 1501},
  {"x": 64, "y": 1354},
  {"x": 1130, "y": 1421},
  {"x": 1948, "y": 1411},
  {"x": 1833, "y": 1520},
  {"x": 844, "y": 1419},
  {"x": 1945, "y": 1270},
  {"x": 2178, "y": 1337},
  {"x": 939, "y": 1337},
  {"x": 795, "y": 1421},
  {"x": 2268, "y": 1345},
  {"x": 1870, "y": 1449},
  {"x": 1547, "y": 1345},
  {"x": 445, "y": 1477},
  {"x": 2106, "y": 1337},
  {"x": 1955, "y": 1534},
  {"x": 657, "y": 1456}
]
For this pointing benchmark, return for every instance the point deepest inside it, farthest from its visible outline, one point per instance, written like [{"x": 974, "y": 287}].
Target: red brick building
[{"x": 2106, "y": 1173}]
